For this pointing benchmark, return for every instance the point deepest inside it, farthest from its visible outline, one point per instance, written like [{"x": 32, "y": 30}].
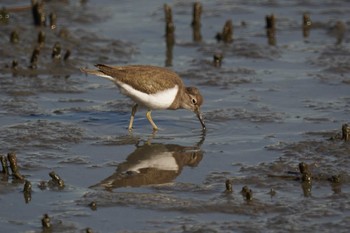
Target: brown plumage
[
  {"x": 151, "y": 80},
  {"x": 140, "y": 167},
  {"x": 148, "y": 79}
]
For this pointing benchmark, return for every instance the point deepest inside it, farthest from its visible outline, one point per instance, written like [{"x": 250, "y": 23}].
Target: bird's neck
[{"x": 179, "y": 100}]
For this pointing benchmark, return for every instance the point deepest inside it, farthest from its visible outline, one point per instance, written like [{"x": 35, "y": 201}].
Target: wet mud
[{"x": 275, "y": 81}]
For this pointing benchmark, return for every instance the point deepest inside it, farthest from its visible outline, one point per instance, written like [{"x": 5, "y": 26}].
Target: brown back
[{"x": 148, "y": 79}]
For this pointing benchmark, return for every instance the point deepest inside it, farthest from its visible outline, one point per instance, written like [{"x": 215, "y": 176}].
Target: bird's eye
[{"x": 194, "y": 101}]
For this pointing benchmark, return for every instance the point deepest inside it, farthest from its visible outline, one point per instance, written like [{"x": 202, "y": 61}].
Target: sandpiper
[{"x": 153, "y": 87}]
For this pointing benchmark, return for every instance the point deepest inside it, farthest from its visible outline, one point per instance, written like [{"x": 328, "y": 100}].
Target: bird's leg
[
  {"x": 149, "y": 117},
  {"x": 151, "y": 137},
  {"x": 133, "y": 112}
]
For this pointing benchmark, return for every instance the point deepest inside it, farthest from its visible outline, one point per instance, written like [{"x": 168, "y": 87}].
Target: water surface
[{"x": 267, "y": 108}]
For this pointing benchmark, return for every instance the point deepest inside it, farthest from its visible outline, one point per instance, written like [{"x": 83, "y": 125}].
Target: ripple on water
[
  {"x": 207, "y": 75},
  {"x": 231, "y": 128},
  {"x": 41, "y": 134},
  {"x": 261, "y": 115}
]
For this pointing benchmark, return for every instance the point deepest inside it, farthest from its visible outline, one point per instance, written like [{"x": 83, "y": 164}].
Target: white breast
[{"x": 160, "y": 100}]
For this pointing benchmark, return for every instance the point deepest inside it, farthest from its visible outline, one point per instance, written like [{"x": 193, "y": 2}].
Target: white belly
[
  {"x": 160, "y": 100},
  {"x": 162, "y": 161}
]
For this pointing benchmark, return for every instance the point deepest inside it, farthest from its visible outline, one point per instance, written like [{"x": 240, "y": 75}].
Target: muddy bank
[{"x": 275, "y": 86}]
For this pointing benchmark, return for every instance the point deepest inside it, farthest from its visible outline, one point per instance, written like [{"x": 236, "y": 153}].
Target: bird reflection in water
[{"x": 151, "y": 164}]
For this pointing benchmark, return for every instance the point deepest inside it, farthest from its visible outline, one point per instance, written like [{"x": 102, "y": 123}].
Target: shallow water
[{"x": 267, "y": 108}]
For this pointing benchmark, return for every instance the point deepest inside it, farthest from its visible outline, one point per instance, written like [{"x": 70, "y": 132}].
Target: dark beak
[{"x": 199, "y": 115}]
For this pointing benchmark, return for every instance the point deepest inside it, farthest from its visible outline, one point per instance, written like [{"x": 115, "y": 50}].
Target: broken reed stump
[
  {"x": 66, "y": 55},
  {"x": 304, "y": 168},
  {"x": 228, "y": 186},
  {"x": 247, "y": 193},
  {"x": 14, "y": 37},
  {"x": 306, "y": 25},
  {"x": 4, "y": 165},
  {"x": 41, "y": 38},
  {"x": 56, "y": 180},
  {"x": 169, "y": 41},
  {"x": 14, "y": 65},
  {"x": 39, "y": 14},
  {"x": 338, "y": 31},
  {"x": 4, "y": 16},
  {"x": 27, "y": 191},
  {"x": 271, "y": 29},
  {"x": 217, "y": 59},
  {"x": 270, "y": 21},
  {"x": 56, "y": 51},
  {"x": 53, "y": 20},
  {"x": 306, "y": 179},
  {"x": 34, "y": 58},
  {"x": 305, "y": 172},
  {"x": 46, "y": 222},
  {"x": 12, "y": 158},
  {"x": 169, "y": 25},
  {"x": 93, "y": 205},
  {"x": 197, "y": 12},
  {"x": 227, "y": 33},
  {"x": 27, "y": 186},
  {"x": 345, "y": 129},
  {"x": 169, "y": 35},
  {"x": 196, "y": 22}
]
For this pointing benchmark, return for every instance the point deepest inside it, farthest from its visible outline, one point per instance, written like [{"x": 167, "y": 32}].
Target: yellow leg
[
  {"x": 149, "y": 117},
  {"x": 133, "y": 112}
]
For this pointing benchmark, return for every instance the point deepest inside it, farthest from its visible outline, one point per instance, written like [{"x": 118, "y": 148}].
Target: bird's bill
[{"x": 200, "y": 118}]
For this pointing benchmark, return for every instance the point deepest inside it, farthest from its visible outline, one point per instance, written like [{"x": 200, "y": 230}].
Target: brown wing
[{"x": 149, "y": 79}]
